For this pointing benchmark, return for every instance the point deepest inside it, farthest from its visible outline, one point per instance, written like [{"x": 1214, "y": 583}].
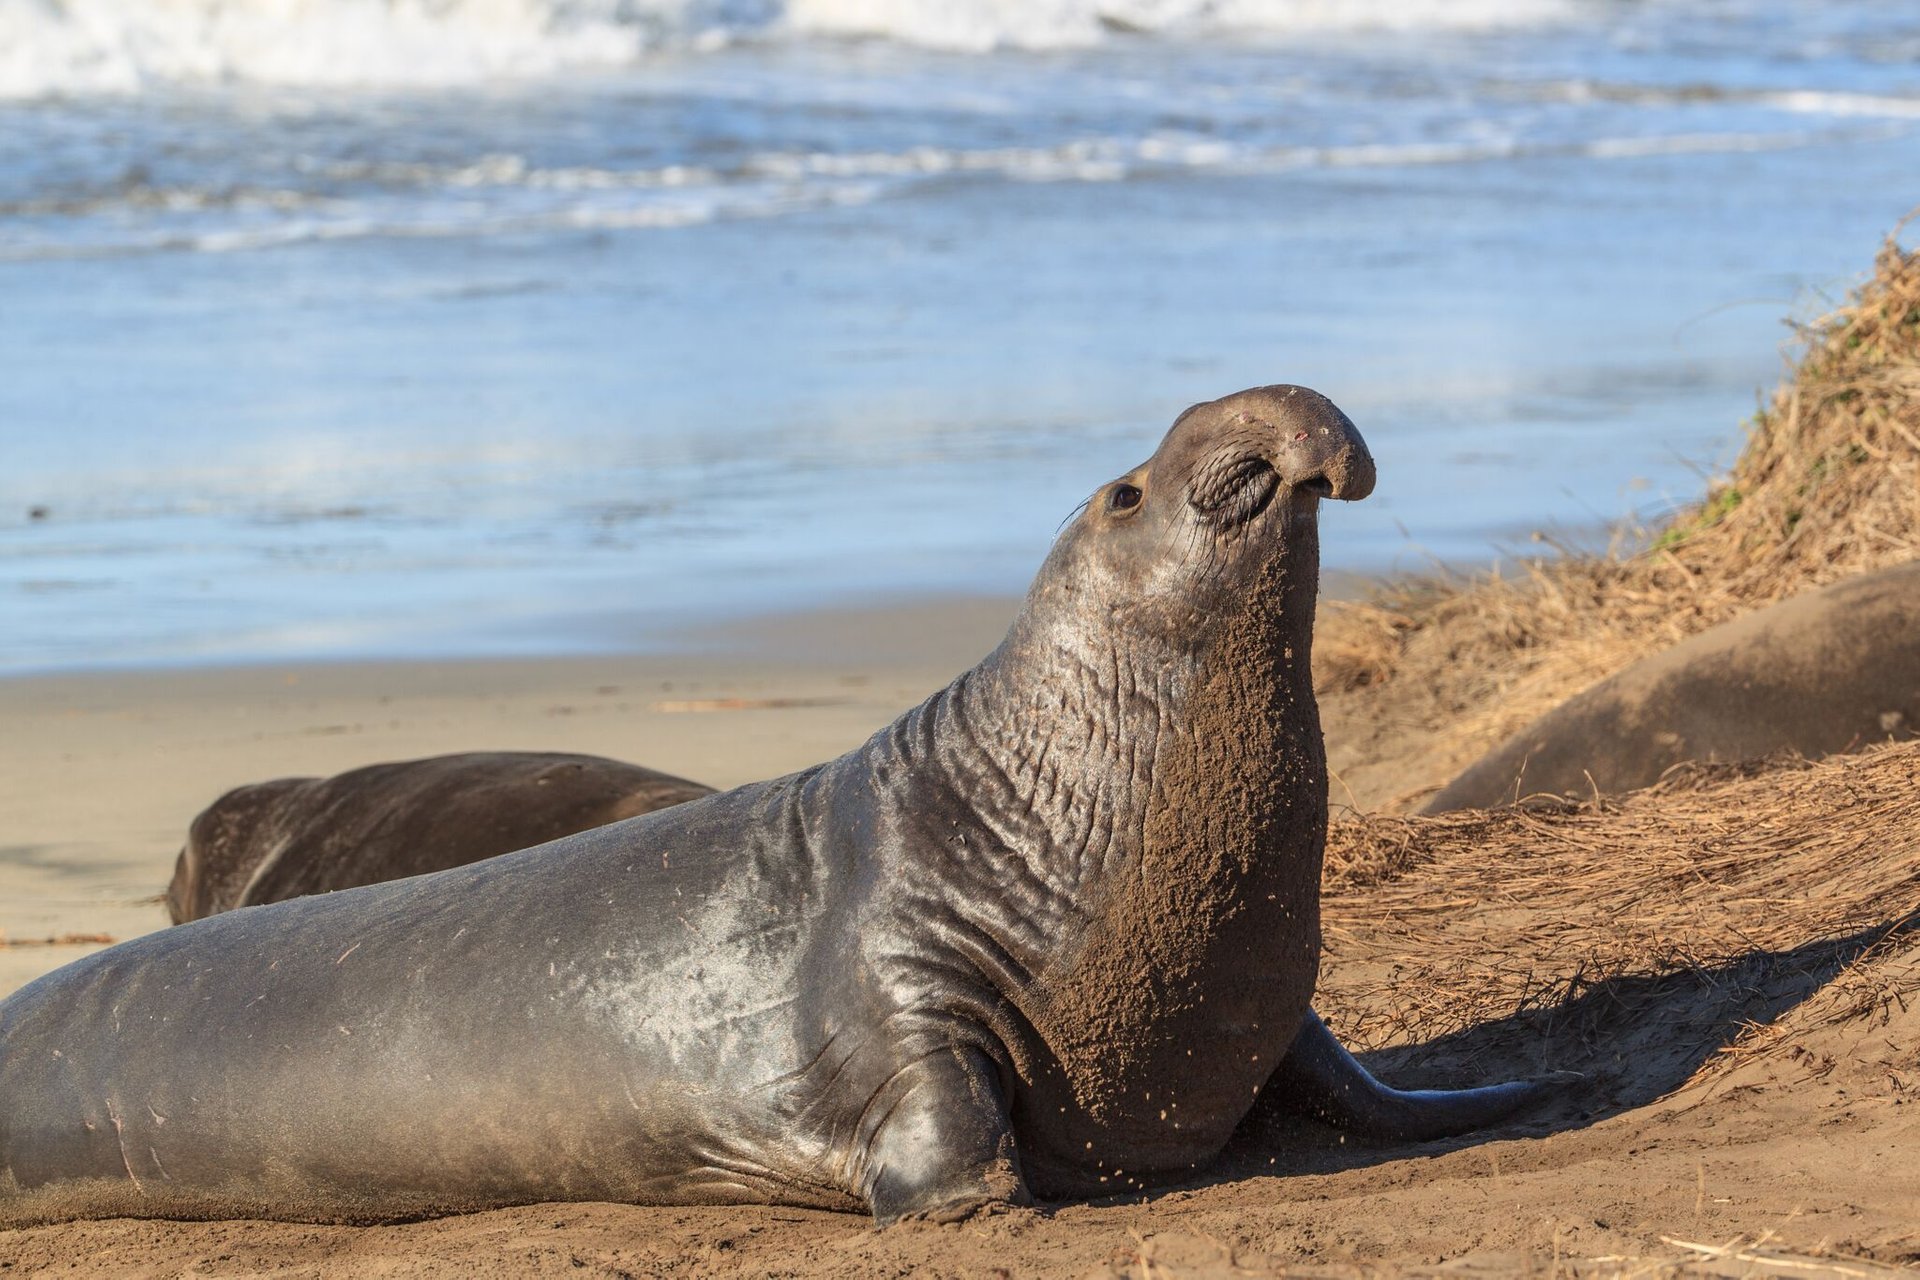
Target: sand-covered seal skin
[
  {"x": 1825, "y": 671},
  {"x": 270, "y": 841},
  {"x": 1048, "y": 933}
]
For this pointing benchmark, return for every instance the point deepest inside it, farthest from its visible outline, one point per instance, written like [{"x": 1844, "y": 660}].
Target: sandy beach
[
  {"x": 1787, "y": 1156},
  {"x": 101, "y": 773}
]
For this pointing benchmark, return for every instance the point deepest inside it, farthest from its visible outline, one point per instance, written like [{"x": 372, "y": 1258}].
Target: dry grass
[
  {"x": 1743, "y": 884},
  {"x": 1431, "y": 673}
]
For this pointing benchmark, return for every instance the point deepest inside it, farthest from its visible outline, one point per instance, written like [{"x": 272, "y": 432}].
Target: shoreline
[
  {"x": 879, "y": 626},
  {"x": 103, "y": 768},
  {"x": 101, "y": 771}
]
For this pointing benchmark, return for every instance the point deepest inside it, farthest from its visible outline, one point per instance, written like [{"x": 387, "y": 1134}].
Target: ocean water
[{"x": 345, "y": 328}]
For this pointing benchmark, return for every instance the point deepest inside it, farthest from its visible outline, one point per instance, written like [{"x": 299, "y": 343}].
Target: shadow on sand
[{"x": 1631, "y": 1038}]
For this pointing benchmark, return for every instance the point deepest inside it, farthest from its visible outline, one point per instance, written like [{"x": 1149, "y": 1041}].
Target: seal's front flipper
[
  {"x": 943, "y": 1146},
  {"x": 1320, "y": 1078}
]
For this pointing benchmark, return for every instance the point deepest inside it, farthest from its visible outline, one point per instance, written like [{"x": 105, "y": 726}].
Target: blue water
[{"x": 773, "y": 319}]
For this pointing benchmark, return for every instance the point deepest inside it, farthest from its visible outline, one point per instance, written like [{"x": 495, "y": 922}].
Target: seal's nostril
[{"x": 1318, "y": 485}]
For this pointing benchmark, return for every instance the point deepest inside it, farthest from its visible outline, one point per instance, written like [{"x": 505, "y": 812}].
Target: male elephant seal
[
  {"x": 1825, "y": 671},
  {"x": 271, "y": 841},
  {"x": 1056, "y": 924}
]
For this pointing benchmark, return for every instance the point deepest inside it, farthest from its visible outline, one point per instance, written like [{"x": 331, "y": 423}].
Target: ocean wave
[
  {"x": 118, "y": 46},
  {"x": 1838, "y": 103},
  {"x": 987, "y": 25},
  {"x": 85, "y": 47},
  {"x": 334, "y": 219},
  {"x": 507, "y": 195}
]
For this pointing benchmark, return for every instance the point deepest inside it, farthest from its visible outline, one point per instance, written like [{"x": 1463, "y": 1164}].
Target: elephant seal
[
  {"x": 1825, "y": 671},
  {"x": 1056, "y": 925},
  {"x": 270, "y": 841}
]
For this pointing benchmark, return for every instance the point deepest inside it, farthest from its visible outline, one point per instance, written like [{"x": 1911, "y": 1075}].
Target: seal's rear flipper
[{"x": 1320, "y": 1078}]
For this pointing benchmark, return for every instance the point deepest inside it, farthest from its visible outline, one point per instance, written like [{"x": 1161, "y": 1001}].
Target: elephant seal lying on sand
[
  {"x": 271, "y": 841},
  {"x": 1057, "y": 923},
  {"x": 1829, "y": 670}
]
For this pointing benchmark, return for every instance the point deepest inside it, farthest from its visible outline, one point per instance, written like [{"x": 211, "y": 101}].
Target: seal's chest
[
  {"x": 1160, "y": 1035},
  {"x": 1150, "y": 1102}
]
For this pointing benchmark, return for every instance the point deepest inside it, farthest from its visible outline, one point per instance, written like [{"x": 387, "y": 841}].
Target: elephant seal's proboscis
[{"x": 1052, "y": 931}]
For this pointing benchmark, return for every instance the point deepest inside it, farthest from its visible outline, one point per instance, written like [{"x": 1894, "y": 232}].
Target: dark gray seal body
[
  {"x": 1058, "y": 924},
  {"x": 1829, "y": 670},
  {"x": 270, "y": 841}
]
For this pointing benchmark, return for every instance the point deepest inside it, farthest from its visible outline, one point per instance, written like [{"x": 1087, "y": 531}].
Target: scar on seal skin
[
  {"x": 1049, "y": 932},
  {"x": 270, "y": 841},
  {"x": 1826, "y": 671}
]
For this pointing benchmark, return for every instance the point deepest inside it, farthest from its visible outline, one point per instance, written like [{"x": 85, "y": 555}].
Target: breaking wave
[{"x": 83, "y": 47}]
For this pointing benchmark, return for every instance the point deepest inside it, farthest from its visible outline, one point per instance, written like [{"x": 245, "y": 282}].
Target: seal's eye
[{"x": 1125, "y": 497}]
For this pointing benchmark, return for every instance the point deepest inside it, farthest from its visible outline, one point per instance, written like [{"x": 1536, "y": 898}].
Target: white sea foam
[
  {"x": 89, "y": 46},
  {"x": 982, "y": 25},
  {"x": 1816, "y": 102},
  {"x": 1811, "y": 102},
  {"x": 66, "y": 47}
]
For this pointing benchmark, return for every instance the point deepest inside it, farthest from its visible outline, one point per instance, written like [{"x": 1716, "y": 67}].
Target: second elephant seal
[
  {"x": 1056, "y": 926},
  {"x": 1825, "y": 671},
  {"x": 269, "y": 841}
]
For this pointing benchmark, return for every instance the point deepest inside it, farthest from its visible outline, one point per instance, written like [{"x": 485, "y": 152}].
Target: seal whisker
[{"x": 1078, "y": 508}]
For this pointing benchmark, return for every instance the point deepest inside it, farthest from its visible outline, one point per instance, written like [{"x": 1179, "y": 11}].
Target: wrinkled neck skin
[{"x": 1132, "y": 806}]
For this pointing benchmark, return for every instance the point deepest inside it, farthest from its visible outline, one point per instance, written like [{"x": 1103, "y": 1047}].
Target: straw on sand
[
  {"x": 1752, "y": 886},
  {"x": 1429, "y": 674}
]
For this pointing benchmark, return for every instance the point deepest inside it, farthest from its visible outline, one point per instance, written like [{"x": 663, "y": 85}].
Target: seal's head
[{"x": 1231, "y": 495}]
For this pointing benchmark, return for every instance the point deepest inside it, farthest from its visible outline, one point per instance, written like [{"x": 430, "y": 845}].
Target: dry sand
[
  {"x": 100, "y": 773},
  {"x": 1632, "y": 943}
]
